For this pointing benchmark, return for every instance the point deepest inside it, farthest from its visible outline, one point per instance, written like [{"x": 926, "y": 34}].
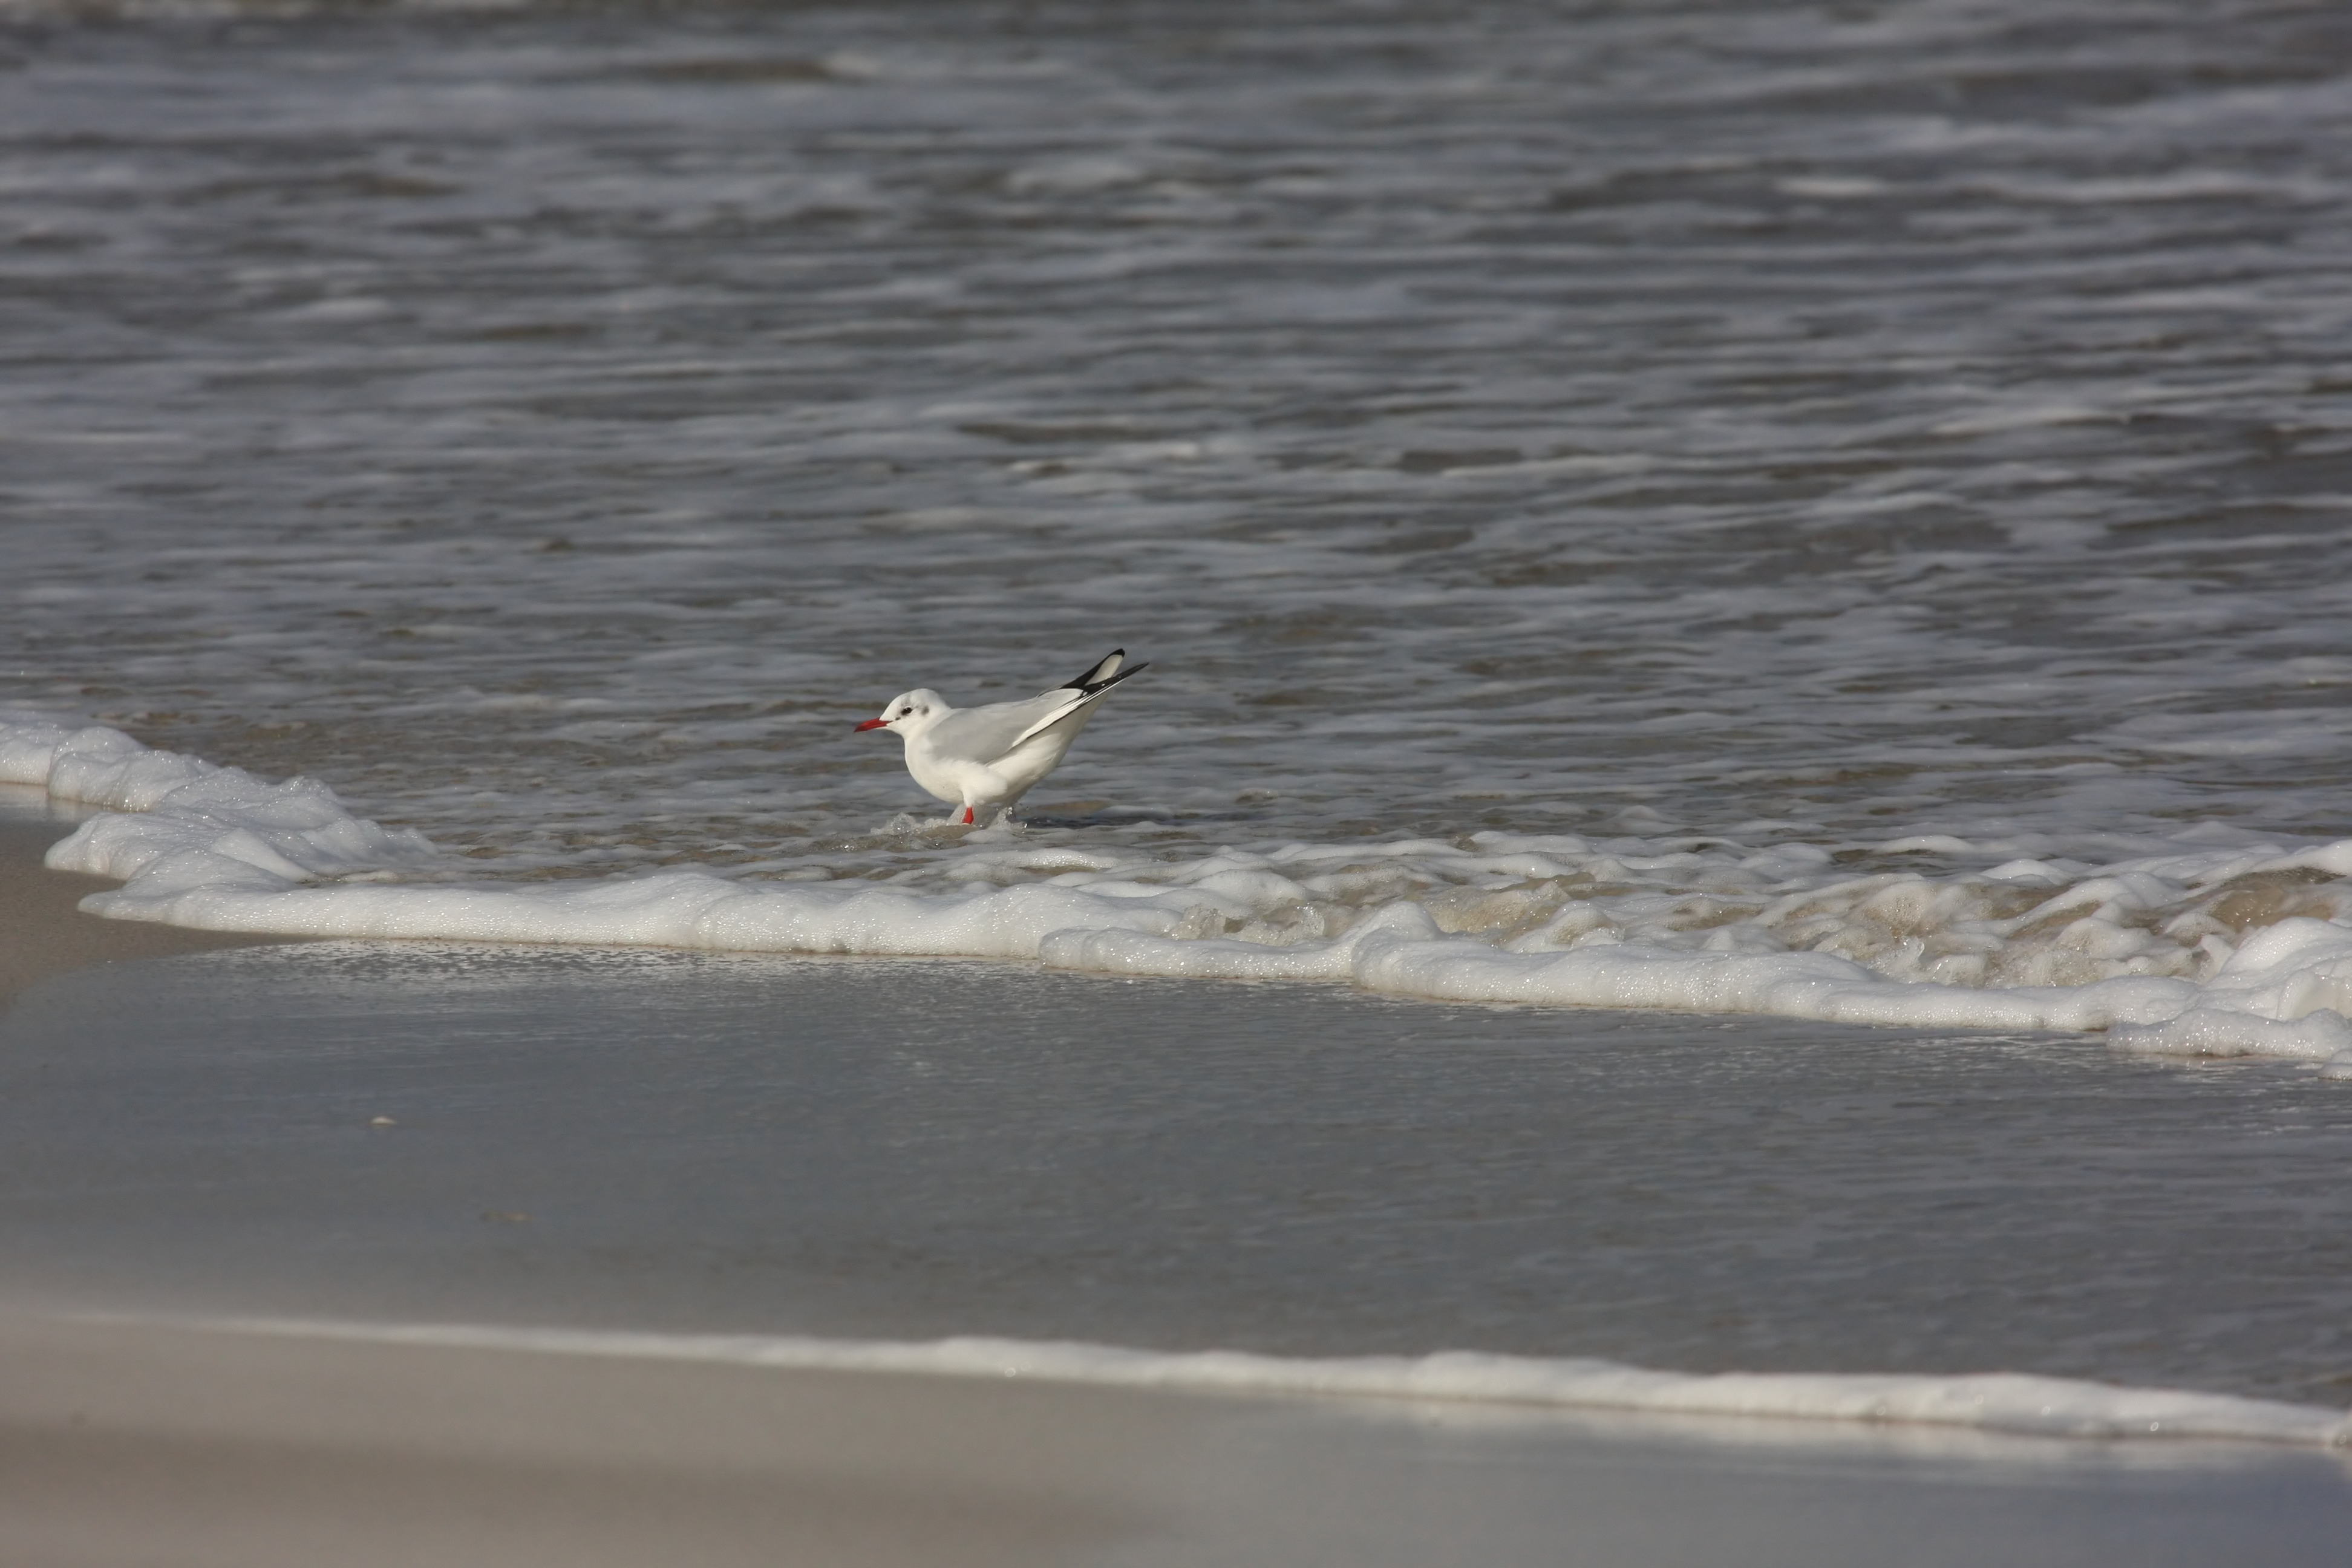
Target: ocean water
[{"x": 1835, "y": 514}]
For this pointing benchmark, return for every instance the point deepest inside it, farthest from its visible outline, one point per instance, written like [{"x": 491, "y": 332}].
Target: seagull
[{"x": 987, "y": 758}]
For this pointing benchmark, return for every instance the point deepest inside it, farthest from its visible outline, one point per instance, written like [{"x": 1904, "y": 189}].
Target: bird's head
[{"x": 910, "y": 712}]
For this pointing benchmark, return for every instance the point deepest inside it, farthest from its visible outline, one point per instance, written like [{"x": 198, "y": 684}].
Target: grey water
[
  {"x": 646, "y": 1139},
  {"x": 550, "y": 425}
]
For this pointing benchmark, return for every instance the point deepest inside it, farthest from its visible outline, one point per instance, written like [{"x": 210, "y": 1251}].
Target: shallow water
[
  {"x": 699, "y": 1143},
  {"x": 1835, "y": 514}
]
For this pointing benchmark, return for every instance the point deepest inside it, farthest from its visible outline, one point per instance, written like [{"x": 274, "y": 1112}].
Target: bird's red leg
[{"x": 967, "y": 816}]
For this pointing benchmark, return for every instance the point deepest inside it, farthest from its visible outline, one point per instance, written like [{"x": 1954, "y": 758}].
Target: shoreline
[
  {"x": 154, "y": 1442},
  {"x": 1768, "y": 1408},
  {"x": 43, "y": 931},
  {"x": 470, "y": 1098},
  {"x": 288, "y": 858},
  {"x": 135, "y": 1438}
]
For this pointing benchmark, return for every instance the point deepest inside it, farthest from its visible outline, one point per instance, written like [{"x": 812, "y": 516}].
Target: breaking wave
[
  {"x": 2009, "y": 1403},
  {"x": 2215, "y": 943}
]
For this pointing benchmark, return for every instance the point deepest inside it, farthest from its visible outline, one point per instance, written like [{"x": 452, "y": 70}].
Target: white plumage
[{"x": 986, "y": 759}]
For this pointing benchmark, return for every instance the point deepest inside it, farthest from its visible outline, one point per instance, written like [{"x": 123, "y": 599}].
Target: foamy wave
[
  {"x": 2235, "y": 949},
  {"x": 1989, "y": 1402},
  {"x": 179, "y": 823}
]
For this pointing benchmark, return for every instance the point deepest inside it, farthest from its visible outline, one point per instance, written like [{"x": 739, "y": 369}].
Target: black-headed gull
[{"x": 987, "y": 758}]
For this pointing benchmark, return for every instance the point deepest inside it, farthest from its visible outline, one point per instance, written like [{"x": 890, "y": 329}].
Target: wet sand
[
  {"x": 139, "y": 1444},
  {"x": 43, "y": 933},
  {"x": 149, "y": 1442}
]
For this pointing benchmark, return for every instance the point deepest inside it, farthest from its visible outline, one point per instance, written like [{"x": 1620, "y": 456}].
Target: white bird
[{"x": 988, "y": 758}]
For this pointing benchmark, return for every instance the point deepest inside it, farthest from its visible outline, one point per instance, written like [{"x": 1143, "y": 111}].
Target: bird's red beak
[{"x": 873, "y": 724}]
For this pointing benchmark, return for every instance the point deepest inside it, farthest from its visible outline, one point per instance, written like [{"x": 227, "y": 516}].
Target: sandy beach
[
  {"x": 135, "y": 1439},
  {"x": 136, "y": 1445},
  {"x": 41, "y": 931},
  {"x": 143, "y": 1444},
  {"x": 139, "y": 1443}
]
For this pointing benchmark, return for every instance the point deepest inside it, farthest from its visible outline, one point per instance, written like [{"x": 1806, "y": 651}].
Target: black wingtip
[
  {"x": 1099, "y": 686},
  {"x": 1099, "y": 673}
]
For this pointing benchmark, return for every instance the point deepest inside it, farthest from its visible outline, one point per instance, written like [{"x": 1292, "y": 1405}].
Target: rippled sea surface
[{"x": 552, "y": 428}]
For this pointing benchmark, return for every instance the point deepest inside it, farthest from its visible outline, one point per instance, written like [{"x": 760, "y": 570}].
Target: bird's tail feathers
[
  {"x": 1088, "y": 687},
  {"x": 1105, "y": 675}
]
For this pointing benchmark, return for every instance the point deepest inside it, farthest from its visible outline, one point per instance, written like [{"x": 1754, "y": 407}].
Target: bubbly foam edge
[
  {"x": 2006, "y": 1404},
  {"x": 214, "y": 848}
]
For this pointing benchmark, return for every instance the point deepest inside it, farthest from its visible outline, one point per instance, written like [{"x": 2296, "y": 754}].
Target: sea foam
[
  {"x": 2237, "y": 948},
  {"x": 2010, "y": 1403}
]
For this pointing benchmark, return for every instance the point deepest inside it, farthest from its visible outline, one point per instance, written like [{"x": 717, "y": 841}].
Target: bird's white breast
[{"x": 944, "y": 778}]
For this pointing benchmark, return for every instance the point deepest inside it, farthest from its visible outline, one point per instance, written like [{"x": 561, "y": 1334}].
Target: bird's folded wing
[
  {"x": 984, "y": 734},
  {"x": 1065, "y": 701},
  {"x": 1072, "y": 703}
]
